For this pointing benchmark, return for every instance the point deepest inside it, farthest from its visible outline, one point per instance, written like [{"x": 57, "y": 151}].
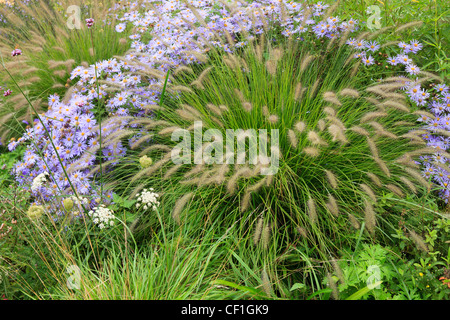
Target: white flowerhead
[
  {"x": 39, "y": 181},
  {"x": 148, "y": 199},
  {"x": 102, "y": 216}
]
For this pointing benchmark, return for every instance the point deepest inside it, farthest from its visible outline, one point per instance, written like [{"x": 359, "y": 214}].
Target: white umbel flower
[
  {"x": 148, "y": 199},
  {"x": 102, "y": 216},
  {"x": 39, "y": 181}
]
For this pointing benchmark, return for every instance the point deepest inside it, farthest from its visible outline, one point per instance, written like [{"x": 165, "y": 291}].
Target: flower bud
[
  {"x": 35, "y": 212},
  {"x": 145, "y": 161},
  {"x": 68, "y": 204}
]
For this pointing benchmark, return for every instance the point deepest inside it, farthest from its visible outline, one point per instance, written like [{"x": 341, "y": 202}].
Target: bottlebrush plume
[
  {"x": 331, "y": 177},
  {"x": 369, "y": 192},
  {"x": 258, "y": 231},
  {"x": 370, "y": 218},
  {"x": 332, "y": 205},
  {"x": 312, "y": 152},
  {"x": 179, "y": 206},
  {"x": 312, "y": 213},
  {"x": 418, "y": 241}
]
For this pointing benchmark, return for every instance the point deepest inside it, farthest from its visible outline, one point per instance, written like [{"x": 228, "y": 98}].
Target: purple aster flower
[
  {"x": 404, "y": 59},
  {"x": 415, "y": 46},
  {"x": 361, "y": 44},
  {"x": 368, "y": 60},
  {"x": 437, "y": 108},
  {"x": 406, "y": 47},
  {"x": 372, "y": 46},
  {"x": 441, "y": 88},
  {"x": 392, "y": 61},
  {"x": 412, "y": 69}
]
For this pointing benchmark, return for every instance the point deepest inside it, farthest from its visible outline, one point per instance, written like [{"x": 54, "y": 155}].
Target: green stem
[{"x": 99, "y": 116}]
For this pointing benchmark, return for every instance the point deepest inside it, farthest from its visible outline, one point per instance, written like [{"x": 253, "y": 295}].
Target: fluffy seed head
[
  {"x": 265, "y": 236},
  {"x": 331, "y": 97},
  {"x": 300, "y": 126},
  {"x": 312, "y": 152},
  {"x": 293, "y": 138},
  {"x": 369, "y": 215},
  {"x": 332, "y": 205},
  {"x": 374, "y": 179},
  {"x": 360, "y": 131},
  {"x": 418, "y": 241},
  {"x": 312, "y": 213},
  {"x": 409, "y": 184},
  {"x": 331, "y": 179},
  {"x": 179, "y": 206},
  {"x": 305, "y": 62},
  {"x": 258, "y": 231},
  {"x": 315, "y": 138},
  {"x": 369, "y": 191},
  {"x": 372, "y": 115},
  {"x": 354, "y": 222},
  {"x": 383, "y": 166},
  {"x": 395, "y": 189},
  {"x": 349, "y": 92}
]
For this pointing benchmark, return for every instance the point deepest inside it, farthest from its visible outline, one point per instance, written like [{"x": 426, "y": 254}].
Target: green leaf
[
  {"x": 253, "y": 291},
  {"x": 249, "y": 270},
  {"x": 360, "y": 293},
  {"x": 117, "y": 199},
  {"x": 297, "y": 286},
  {"x": 128, "y": 203},
  {"x": 130, "y": 218},
  {"x": 161, "y": 101},
  {"x": 326, "y": 290}
]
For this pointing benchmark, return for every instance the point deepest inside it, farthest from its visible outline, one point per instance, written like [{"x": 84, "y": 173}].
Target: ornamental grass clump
[
  {"x": 132, "y": 86},
  {"x": 339, "y": 136},
  {"x": 328, "y": 141},
  {"x": 334, "y": 136}
]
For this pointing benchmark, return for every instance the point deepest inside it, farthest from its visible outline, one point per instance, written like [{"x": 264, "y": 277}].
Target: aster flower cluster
[
  {"x": 174, "y": 38},
  {"x": 437, "y": 128},
  {"x": 403, "y": 58},
  {"x": 367, "y": 48},
  {"x": 57, "y": 144},
  {"x": 147, "y": 199},
  {"x": 435, "y": 99},
  {"x": 174, "y": 42}
]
